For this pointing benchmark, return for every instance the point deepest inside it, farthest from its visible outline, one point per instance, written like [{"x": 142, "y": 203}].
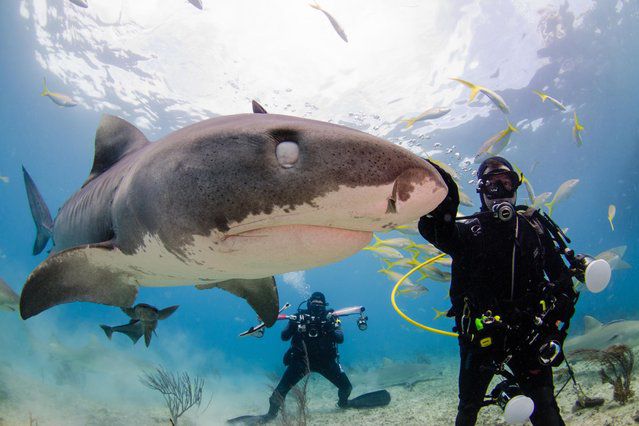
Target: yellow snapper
[
  {"x": 554, "y": 101},
  {"x": 429, "y": 114},
  {"x": 612, "y": 210},
  {"x": 495, "y": 144},
  {"x": 385, "y": 251},
  {"x": 577, "y": 128},
  {"x": 58, "y": 98},
  {"x": 392, "y": 242},
  {"x": 563, "y": 192},
  {"x": 336, "y": 26},
  {"x": 494, "y": 97}
]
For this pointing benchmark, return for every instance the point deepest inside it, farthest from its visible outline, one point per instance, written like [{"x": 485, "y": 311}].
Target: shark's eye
[{"x": 287, "y": 153}]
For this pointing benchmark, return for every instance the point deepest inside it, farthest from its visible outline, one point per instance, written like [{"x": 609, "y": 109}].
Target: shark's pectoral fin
[
  {"x": 80, "y": 274},
  {"x": 260, "y": 293}
]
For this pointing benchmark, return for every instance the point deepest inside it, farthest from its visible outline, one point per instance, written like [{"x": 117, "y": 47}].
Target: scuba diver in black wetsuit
[
  {"x": 314, "y": 337},
  {"x": 315, "y": 333},
  {"x": 505, "y": 268}
]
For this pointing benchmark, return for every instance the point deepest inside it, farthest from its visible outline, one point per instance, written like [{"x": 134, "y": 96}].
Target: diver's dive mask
[
  {"x": 316, "y": 304},
  {"x": 499, "y": 184}
]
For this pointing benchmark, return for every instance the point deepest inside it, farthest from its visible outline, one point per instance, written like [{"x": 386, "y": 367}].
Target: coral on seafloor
[
  {"x": 179, "y": 391},
  {"x": 617, "y": 363}
]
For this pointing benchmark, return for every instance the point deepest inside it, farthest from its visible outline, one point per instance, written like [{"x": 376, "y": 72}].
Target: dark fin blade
[
  {"x": 249, "y": 420},
  {"x": 40, "y": 213},
  {"x": 257, "y": 108},
  {"x": 260, "y": 293},
  {"x": 72, "y": 276},
  {"x": 114, "y": 139},
  {"x": 167, "y": 312},
  {"x": 378, "y": 398},
  {"x": 133, "y": 330},
  {"x": 148, "y": 333},
  {"x": 107, "y": 330}
]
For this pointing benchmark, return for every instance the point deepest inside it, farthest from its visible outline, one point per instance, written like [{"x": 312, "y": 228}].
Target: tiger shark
[
  {"x": 600, "y": 336},
  {"x": 224, "y": 203}
]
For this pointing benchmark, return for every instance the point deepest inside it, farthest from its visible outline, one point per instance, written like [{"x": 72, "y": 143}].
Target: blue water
[{"x": 588, "y": 58}]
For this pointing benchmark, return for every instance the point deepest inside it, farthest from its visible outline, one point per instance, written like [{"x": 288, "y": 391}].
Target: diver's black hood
[{"x": 496, "y": 160}]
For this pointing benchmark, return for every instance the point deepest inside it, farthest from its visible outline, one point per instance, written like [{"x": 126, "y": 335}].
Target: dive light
[
  {"x": 516, "y": 406},
  {"x": 595, "y": 273}
]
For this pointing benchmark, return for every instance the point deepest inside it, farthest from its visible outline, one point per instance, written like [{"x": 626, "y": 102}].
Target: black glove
[{"x": 447, "y": 209}]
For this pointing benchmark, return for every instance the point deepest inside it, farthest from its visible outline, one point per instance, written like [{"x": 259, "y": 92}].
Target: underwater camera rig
[{"x": 310, "y": 324}]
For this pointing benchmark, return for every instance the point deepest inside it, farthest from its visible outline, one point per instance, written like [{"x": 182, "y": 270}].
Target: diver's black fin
[
  {"x": 40, "y": 213},
  {"x": 257, "y": 108},
  {"x": 114, "y": 139},
  {"x": 378, "y": 398},
  {"x": 107, "y": 330},
  {"x": 260, "y": 293},
  {"x": 167, "y": 312},
  {"x": 133, "y": 330},
  {"x": 78, "y": 274},
  {"x": 250, "y": 420}
]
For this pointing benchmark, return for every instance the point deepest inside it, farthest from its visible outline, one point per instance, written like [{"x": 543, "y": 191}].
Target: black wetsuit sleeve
[
  {"x": 439, "y": 226},
  {"x": 289, "y": 330}
]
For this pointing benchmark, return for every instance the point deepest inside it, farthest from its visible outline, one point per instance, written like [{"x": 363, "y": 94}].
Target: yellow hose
[{"x": 406, "y": 317}]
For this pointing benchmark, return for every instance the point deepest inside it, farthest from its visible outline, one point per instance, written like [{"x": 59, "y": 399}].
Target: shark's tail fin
[
  {"x": 40, "y": 213},
  {"x": 107, "y": 330},
  {"x": 45, "y": 90}
]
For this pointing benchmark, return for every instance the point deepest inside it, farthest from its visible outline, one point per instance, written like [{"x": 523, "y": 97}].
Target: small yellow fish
[
  {"x": 439, "y": 314},
  {"x": 554, "y": 101},
  {"x": 392, "y": 242},
  {"x": 336, "y": 26},
  {"x": 495, "y": 144},
  {"x": 494, "y": 97},
  {"x": 396, "y": 276},
  {"x": 576, "y": 131},
  {"x": 385, "y": 251},
  {"x": 429, "y": 114},
  {"x": 564, "y": 191},
  {"x": 611, "y": 215},
  {"x": 57, "y": 98},
  {"x": 4, "y": 179},
  {"x": 428, "y": 249},
  {"x": 414, "y": 290}
]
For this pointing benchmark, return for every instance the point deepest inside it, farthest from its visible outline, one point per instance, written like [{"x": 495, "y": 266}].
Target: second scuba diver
[
  {"x": 504, "y": 262},
  {"x": 315, "y": 333}
]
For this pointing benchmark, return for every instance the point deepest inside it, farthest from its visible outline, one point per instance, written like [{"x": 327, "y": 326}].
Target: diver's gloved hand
[{"x": 447, "y": 209}]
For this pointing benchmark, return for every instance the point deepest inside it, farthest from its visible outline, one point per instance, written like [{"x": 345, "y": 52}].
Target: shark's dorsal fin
[
  {"x": 257, "y": 108},
  {"x": 591, "y": 323},
  {"x": 114, "y": 139}
]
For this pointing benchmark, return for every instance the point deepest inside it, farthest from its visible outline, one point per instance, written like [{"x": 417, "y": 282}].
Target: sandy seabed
[{"x": 427, "y": 403}]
